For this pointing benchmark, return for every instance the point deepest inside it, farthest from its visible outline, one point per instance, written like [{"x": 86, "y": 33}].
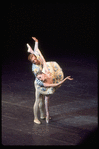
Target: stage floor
[{"x": 73, "y": 107}]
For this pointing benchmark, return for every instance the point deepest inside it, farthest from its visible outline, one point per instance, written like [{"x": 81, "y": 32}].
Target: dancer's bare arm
[
  {"x": 58, "y": 84},
  {"x": 36, "y": 43},
  {"x": 30, "y": 50},
  {"x": 36, "y": 49}
]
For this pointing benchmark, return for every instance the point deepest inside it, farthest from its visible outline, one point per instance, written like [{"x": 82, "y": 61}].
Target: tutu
[{"x": 57, "y": 75}]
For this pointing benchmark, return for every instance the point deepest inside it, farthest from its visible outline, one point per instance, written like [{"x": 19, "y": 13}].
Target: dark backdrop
[{"x": 63, "y": 30}]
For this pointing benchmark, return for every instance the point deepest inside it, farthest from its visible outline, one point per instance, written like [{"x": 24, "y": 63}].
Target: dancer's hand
[
  {"x": 69, "y": 78},
  {"x": 36, "y": 40}
]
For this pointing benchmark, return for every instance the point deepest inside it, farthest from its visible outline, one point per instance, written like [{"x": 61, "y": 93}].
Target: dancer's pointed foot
[
  {"x": 47, "y": 119},
  {"x": 42, "y": 117},
  {"x": 37, "y": 121}
]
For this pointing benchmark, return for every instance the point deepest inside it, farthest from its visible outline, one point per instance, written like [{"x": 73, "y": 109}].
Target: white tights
[
  {"x": 47, "y": 108},
  {"x": 39, "y": 105}
]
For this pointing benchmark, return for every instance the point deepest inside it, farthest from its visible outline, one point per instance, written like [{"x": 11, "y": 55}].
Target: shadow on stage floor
[{"x": 73, "y": 107}]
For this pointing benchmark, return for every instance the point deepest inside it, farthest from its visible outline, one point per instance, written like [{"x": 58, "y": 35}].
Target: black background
[{"x": 63, "y": 30}]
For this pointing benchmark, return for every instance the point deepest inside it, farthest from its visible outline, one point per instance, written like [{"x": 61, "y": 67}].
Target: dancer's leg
[
  {"x": 47, "y": 108},
  {"x": 41, "y": 107},
  {"x": 36, "y": 106}
]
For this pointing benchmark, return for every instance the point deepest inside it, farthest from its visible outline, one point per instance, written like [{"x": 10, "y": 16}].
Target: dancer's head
[
  {"x": 41, "y": 76},
  {"x": 33, "y": 59}
]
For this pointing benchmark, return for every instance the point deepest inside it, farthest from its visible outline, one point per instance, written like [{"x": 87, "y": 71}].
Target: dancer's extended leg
[{"x": 47, "y": 108}]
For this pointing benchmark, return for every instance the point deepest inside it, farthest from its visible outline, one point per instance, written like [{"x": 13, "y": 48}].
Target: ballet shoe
[
  {"x": 37, "y": 121},
  {"x": 43, "y": 117},
  {"x": 47, "y": 119}
]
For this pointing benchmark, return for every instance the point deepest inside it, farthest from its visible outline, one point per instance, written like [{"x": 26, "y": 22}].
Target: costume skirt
[{"x": 57, "y": 75}]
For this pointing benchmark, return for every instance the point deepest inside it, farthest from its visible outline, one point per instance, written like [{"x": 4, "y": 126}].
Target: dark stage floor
[{"x": 73, "y": 107}]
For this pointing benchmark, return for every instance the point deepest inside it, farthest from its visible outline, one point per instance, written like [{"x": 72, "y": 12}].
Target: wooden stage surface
[{"x": 73, "y": 107}]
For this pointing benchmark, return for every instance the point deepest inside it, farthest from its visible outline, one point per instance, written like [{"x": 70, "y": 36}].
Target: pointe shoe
[
  {"x": 47, "y": 119},
  {"x": 42, "y": 117},
  {"x": 37, "y": 121}
]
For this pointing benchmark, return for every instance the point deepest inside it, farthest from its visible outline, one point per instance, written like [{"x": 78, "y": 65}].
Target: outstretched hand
[
  {"x": 58, "y": 84},
  {"x": 36, "y": 40},
  {"x": 69, "y": 78}
]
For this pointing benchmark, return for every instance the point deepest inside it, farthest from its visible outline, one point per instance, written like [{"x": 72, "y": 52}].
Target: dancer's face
[
  {"x": 34, "y": 60},
  {"x": 41, "y": 77}
]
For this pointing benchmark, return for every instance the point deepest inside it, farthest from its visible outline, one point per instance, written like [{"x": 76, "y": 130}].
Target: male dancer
[{"x": 38, "y": 62}]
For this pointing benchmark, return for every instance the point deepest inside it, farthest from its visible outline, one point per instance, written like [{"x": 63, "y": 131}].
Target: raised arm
[
  {"x": 60, "y": 83},
  {"x": 36, "y": 43},
  {"x": 36, "y": 49}
]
